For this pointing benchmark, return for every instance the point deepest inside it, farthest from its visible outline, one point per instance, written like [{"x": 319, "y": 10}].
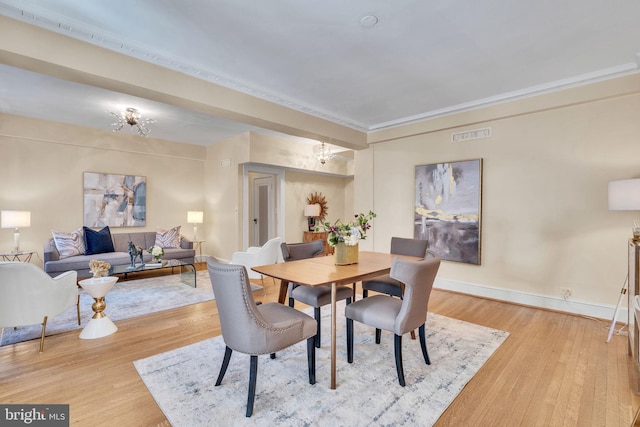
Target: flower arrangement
[
  {"x": 350, "y": 233},
  {"x": 156, "y": 252}
]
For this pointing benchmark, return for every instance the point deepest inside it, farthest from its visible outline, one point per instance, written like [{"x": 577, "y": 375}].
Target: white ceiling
[{"x": 423, "y": 59}]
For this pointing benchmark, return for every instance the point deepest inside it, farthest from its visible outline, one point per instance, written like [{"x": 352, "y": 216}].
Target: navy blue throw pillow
[{"x": 97, "y": 242}]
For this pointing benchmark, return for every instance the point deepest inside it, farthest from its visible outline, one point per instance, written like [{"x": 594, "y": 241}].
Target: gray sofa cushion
[{"x": 81, "y": 262}]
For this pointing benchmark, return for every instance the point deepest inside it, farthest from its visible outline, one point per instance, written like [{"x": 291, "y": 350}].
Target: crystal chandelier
[
  {"x": 131, "y": 117},
  {"x": 323, "y": 153}
]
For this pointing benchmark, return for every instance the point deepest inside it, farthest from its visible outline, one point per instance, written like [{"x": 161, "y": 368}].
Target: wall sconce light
[
  {"x": 15, "y": 219},
  {"x": 195, "y": 218},
  {"x": 312, "y": 212}
]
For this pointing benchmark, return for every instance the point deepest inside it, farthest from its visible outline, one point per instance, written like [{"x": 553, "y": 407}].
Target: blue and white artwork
[
  {"x": 114, "y": 200},
  {"x": 447, "y": 209}
]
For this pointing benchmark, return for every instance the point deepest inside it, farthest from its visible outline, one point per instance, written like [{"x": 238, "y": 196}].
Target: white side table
[
  {"x": 22, "y": 256},
  {"x": 100, "y": 325}
]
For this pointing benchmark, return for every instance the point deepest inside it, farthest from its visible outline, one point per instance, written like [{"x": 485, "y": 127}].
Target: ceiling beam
[{"x": 35, "y": 49}]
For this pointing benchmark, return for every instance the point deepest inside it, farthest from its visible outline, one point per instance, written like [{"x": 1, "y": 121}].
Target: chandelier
[
  {"x": 131, "y": 117},
  {"x": 323, "y": 153}
]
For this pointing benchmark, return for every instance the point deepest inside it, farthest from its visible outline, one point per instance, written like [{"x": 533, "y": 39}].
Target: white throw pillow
[
  {"x": 168, "y": 238},
  {"x": 68, "y": 244}
]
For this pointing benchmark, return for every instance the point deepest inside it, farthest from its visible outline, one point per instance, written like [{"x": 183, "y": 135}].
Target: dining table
[{"x": 322, "y": 271}]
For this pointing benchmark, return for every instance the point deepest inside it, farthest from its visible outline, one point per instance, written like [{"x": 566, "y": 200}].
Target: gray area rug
[
  {"x": 127, "y": 299},
  {"x": 182, "y": 381}
]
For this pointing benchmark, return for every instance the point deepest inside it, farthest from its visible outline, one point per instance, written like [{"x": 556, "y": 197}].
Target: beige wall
[
  {"x": 224, "y": 187},
  {"x": 299, "y": 186},
  {"x": 545, "y": 223},
  {"x": 43, "y": 165}
]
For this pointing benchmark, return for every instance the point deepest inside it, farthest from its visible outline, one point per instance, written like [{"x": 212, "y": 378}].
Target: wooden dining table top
[{"x": 323, "y": 270}]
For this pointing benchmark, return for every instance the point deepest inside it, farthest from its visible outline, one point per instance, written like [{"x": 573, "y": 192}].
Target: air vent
[{"x": 470, "y": 135}]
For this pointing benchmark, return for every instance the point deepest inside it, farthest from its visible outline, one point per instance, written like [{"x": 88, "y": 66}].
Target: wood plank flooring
[{"x": 554, "y": 369}]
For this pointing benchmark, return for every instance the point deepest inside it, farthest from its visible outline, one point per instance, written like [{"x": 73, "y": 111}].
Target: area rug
[
  {"x": 182, "y": 380},
  {"x": 127, "y": 299}
]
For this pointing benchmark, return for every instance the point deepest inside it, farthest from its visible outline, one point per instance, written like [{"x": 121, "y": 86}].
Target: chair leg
[
  {"x": 78, "y": 308},
  {"x": 44, "y": 329},
  {"x": 311, "y": 359},
  {"x": 291, "y": 302},
  {"x": 378, "y": 334},
  {"x": 398, "y": 350},
  {"x": 316, "y": 314},
  {"x": 225, "y": 364},
  {"x": 365, "y": 293},
  {"x": 350, "y": 340},
  {"x": 253, "y": 374},
  {"x": 423, "y": 344}
]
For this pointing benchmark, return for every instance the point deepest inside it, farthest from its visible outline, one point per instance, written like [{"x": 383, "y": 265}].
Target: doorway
[
  {"x": 263, "y": 215},
  {"x": 263, "y": 204}
]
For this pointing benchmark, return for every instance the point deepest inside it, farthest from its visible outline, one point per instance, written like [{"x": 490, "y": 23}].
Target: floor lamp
[
  {"x": 195, "y": 218},
  {"x": 624, "y": 195}
]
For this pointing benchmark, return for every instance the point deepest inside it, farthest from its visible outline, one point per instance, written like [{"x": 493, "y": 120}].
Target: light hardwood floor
[{"x": 554, "y": 369}]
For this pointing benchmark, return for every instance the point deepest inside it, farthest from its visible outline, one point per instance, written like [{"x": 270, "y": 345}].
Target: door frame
[
  {"x": 278, "y": 174},
  {"x": 256, "y": 182}
]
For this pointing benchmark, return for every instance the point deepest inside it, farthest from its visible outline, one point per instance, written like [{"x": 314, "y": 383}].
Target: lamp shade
[
  {"x": 312, "y": 210},
  {"x": 15, "y": 219},
  {"x": 195, "y": 217},
  {"x": 624, "y": 195}
]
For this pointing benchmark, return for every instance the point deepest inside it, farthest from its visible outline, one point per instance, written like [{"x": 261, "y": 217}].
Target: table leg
[
  {"x": 282, "y": 296},
  {"x": 333, "y": 335}
]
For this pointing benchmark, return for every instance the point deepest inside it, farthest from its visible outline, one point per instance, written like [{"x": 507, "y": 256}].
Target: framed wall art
[
  {"x": 114, "y": 200},
  {"x": 448, "y": 209}
]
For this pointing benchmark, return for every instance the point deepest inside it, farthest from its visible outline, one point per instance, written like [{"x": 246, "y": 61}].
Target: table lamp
[
  {"x": 624, "y": 195},
  {"x": 15, "y": 219},
  {"x": 195, "y": 218},
  {"x": 312, "y": 212}
]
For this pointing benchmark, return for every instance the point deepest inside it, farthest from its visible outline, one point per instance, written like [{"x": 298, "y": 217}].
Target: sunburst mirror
[{"x": 319, "y": 199}]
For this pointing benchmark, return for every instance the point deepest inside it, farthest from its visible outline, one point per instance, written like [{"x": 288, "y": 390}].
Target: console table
[{"x": 310, "y": 236}]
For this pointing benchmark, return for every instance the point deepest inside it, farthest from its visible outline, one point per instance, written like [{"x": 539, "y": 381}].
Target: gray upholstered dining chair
[
  {"x": 255, "y": 329},
  {"x": 316, "y": 296},
  {"x": 398, "y": 315},
  {"x": 385, "y": 284}
]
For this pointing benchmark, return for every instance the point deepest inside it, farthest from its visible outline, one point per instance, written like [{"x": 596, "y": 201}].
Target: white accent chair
[
  {"x": 29, "y": 296},
  {"x": 269, "y": 253}
]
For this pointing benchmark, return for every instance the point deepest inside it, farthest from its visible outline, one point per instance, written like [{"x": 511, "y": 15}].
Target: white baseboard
[{"x": 599, "y": 311}]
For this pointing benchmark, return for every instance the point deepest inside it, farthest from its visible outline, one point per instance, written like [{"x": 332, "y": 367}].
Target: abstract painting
[
  {"x": 114, "y": 200},
  {"x": 448, "y": 209}
]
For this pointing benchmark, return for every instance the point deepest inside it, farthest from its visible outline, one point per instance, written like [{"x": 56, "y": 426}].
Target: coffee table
[{"x": 187, "y": 271}]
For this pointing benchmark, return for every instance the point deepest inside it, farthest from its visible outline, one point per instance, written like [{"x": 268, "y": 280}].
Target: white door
[{"x": 263, "y": 219}]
